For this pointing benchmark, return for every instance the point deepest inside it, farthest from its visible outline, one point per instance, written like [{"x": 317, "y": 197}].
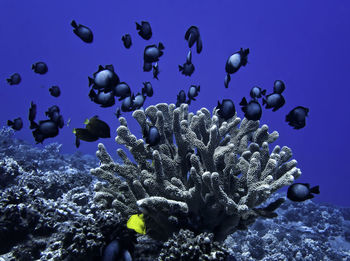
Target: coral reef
[{"x": 212, "y": 178}]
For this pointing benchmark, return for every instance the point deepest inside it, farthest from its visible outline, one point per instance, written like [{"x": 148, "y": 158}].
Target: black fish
[
  {"x": 234, "y": 62},
  {"x": 297, "y": 117},
  {"x": 187, "y": 68},
  {"x": 104, "y": 79},
  {"x": 256, "y": 92},
  {"x": 145, "y": 30},
  {"x": 53, "y": 113},
  {"x": 226, "y": 109},
  {"x": 193, "y": 92},
  {"x": 155, "y": 71},
  {"x": 152, "y": 53},
  {"x": 55, "y": 91},
  {"x": 122, "y": 90},
  {"x": 301, "y": 191},
  {"x": 117, "y": 113},
  {"x": 274, "y": 100},
  {"x": 83, "y": 134},
  {"x": 138, "y": 101},
  {"x": 40, "y": 67},
  {"x": 181, "y": 98},
  {"x": 32, "y": 114},
  {"x": 127, "y": 41},
  {"x": 151, "y": 136},
  {"x": 14, "y": 79},
  {"x": 45, "y": 129},
  {"x": 192, "y": 35},
  {"x": 98, "y": 127},
  {"x": 127, "y": 104},
  {"x": 16, "y": 124},
  {"x": 105, "y": 99},
  {"x": 278, "y": 87},
  {"x": 252, "y": 110},
  {"x": 147, "y": 89},
  {"x": 83, "y": 32},
  {"x": 147, "y": 67}
]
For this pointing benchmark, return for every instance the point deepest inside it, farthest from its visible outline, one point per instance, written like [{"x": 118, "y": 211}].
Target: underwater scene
[{"x": 174, "y": 130}]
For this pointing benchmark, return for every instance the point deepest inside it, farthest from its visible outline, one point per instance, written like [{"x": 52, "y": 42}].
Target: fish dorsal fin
[
  {"x": 100, "y": 68},
  {"x": 243, "y": 102},
  {"x": 74, "y": 24}
]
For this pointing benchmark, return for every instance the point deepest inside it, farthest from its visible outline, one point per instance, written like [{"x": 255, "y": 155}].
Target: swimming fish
[
  {"x": 98, "y": 127},
  {"x": 187, "y": 68},
  {"x": 301, "y": 191},
  {"x": 40, "y": 67},
  {"x": 155, "y": 71},
  {"x": 138, "y": 101},
  {"x": 151, "y": 135},
  {"x": 45, "y": 129},
  {"x": 181, "y": 98},
  {"x": 127, "y": 41},
  {"x": 55, "y": 91},
  {"x": 234, "y": 62},
  {"x": 127, "y": 104},
  {"x": 257, "y": 92},
  {"x": 193, "y": 92},
  {"x": 105, "y": 99},
  {"x": 32, "y": 114},
  {"x": 152, "y": 53},
  {"x": 16, "y": 124},
  {"x": 226, "y": 109},
  {"x": 117, "y": 113},
  {"x": 252, "y": 110},
  {"x": 296, "y": 117},
  {"x": 83, "y": 32},
  {"x": 104, "y": 79},
  {"x": 137, "y": 223},
  {"x": 14, "y": 79},
  {"x": 147, "y": 89},
  {"x": 145, "y": 30},
  {"x": 192, "y": 35},
  {"x": 274, "y": 100},
  {"x": 122, "y": 90},
  {"x": 278, "y": 86}
]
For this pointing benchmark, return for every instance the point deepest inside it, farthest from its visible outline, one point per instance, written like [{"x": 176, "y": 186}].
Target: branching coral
[{"x": 212, "y": 178}]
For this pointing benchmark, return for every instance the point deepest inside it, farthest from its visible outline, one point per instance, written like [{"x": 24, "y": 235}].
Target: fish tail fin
[
  {"x": 263, "y": 92},
  {"x": 161, "y": 46},
  {"x": 180, "y": 68},
  {"x": 138, "y": 26},
  {"x": 74, "y": 24},
  {"x": 315, "y": 190},
  {"x": 91, "y": 81},
  {"x": 199, "y": 88},
  {"x": 243, "y": 102},
  {"x": 9, "y": 80},
  {"x": 264, "y": 102},
  {"x": 9, "y": 123},
  {"x": 33, "y": 66}
]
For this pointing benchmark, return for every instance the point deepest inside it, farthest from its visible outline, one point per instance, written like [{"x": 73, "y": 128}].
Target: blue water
[{"x": 304, "y": 43}]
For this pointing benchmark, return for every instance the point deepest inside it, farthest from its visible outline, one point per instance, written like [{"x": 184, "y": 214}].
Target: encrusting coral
[{"x": 211, "y": 179}]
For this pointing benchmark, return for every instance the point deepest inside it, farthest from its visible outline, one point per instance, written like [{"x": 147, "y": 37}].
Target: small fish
[
  {"x": 55, "y": 91},
  {"x": 252, "y": 110},
  {"x": 226, "y": 109},
  {"x": 181, "y": 98},
  {"x": 40, "y": 67},
  {"x": 274, "y": 100},
  {"x": 83, "y": 32},
  {"x": 45, "y": 129},
  {"x": 192, "y": 35},
  {"x": 256, "y": 92},
  {"x": 301, "y": 191},
  {"x": 127, "y": 104},
  {"x": 68, "y": 122},
  {"x": 278, "y": 87},
  {"x": 16, "y": 124},
  {"x": 151, "y": 136},
  {"x": 147, "y": 89},
  {"x": 53, "y": 113},
  {"x": 152, "y": 53},
  {"x": 145, "y": 30},
  {"x": 127, "y": 41},
  {"x": 136, "y": 222},
  {"x": 117, "y": 113},
  {"x": 138, "y": 101},
  {"x": 105, "y": 99},
  {"x": 296, "y": 117},
  {"x": 122, "y": 90},
  {"x": 234, "y": 62},
  {"x": 193, "y": 92},
  {"x": 32, "y": 114},
  {"x": 104, "y": 79},
  {"x": 14, "y": 79},
  {"x": 187, "y": 68},
  {"x": 155, "y": 71},
  {"x": 97, "y": 127}
]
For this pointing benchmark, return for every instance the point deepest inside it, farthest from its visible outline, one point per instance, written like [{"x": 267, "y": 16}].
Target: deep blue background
[{"x": 304, "y": 43}]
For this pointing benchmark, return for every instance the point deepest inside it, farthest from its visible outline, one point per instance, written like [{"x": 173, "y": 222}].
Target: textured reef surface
[{"x": 50, "y": 209}]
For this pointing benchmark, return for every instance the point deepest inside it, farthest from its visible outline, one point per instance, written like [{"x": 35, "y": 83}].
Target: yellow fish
[{"x": 137, "y": 223}]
